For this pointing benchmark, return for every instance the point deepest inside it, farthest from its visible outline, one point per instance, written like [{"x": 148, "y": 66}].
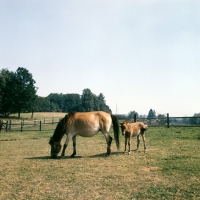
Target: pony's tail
[{"x": 116, "y": 130}]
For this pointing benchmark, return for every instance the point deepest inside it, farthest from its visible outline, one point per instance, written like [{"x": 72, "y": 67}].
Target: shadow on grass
[
  {"x": 49, "y": 157},
  {"x": 104, "y": 154},
  {"x": 69, "y": 157},
  {"x": 38, "y": 158}
]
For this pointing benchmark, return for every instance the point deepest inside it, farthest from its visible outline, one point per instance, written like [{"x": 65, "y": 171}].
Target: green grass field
[{"x": 170, "y": 169}]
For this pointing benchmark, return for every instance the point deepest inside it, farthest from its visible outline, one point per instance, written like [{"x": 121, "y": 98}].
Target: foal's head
[{"x": 123, "y": 126}]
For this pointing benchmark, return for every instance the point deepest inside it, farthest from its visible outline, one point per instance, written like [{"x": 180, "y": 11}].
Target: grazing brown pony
[
  {"x": 133, "y": 129},
  {"x": 85, "y": 124}
]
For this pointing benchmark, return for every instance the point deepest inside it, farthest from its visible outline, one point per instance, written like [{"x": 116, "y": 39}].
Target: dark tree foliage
[
  {"x": 71, "y": 103},
  {"x": 87, "y": 100},
  {"x": 42, "y": 104},
  {"x": 56, "y": 102},
  {"x": 75, "y": 102},
  {"x": 151, "y": 114},
  {"x": 6, "y": 92},
  {"x": 102, "y": 103},
  {"x": 91, "y": 102},
  {"x": 132, "y": 114},
  {"x": 18, "y": 92},
  {"x": 25, "y": 91}
]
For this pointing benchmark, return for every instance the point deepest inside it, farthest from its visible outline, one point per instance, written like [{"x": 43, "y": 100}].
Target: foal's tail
[{"x": 116, "y": 129}]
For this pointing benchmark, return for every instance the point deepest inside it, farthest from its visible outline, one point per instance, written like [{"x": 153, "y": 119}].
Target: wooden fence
[
  {"x": 28, "y": 125},
  {"x": 50, "y": 124},
  {"x": 169, "y": 121}
]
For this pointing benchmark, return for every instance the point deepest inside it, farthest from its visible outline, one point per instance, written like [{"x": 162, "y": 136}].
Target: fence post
[
  {"x": 135, "y": 118},
  {"x": 21, "y": 126},
  {"x": 167, "y": 120},
  {"x": 40, "y": 125},
  {"x": 10, "y": 125},
  {"x": 6, "y": 126}
]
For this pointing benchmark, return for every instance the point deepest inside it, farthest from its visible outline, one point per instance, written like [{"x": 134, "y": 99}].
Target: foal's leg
[
  {"x": 138, "y": 142},
  {"x": 129, "y": 144},
  {"x": 74, "y": 146},
  {"x": 126, "y": 140},
  {"x": 109, "y": 141},
  {"x": 143, "y": 138},
  {"x": 69, "y": 137}
]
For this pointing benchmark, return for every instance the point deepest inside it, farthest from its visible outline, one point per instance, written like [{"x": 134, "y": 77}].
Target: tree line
[
  {"x": 18, "y": 94},
  {"x": 71, "y": 102}
]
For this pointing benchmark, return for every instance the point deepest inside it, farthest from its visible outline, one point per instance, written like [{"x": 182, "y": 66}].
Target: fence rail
[
  {"x": 28, "y": 125},
  {"x": 50, "y": 124}
]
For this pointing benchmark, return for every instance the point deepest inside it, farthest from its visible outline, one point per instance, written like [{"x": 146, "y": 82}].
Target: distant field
[
  {"x": 170, "y": 169},
  {"x": 40, "y": 115}
]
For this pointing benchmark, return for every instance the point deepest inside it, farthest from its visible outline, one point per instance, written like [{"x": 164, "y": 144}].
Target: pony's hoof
[{"x": 61, "y": 157}]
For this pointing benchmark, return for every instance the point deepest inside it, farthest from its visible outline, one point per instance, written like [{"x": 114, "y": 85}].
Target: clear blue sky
[{"x": 141, "y": 55}]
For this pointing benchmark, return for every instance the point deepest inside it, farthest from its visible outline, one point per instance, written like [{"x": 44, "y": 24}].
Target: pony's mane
[
  {"x": 69, "y": 117},
  {"x": 60, "y": 128}
]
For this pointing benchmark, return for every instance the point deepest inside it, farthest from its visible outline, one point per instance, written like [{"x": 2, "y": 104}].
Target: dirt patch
[{"x": 149, "y": 169}]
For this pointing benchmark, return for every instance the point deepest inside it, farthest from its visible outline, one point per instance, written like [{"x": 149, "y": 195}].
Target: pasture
[{"x": 170, "y": 168}]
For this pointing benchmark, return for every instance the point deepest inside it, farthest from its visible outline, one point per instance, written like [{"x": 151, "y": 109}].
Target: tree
[
  {"x": 151, "y": 114},
  {"x": 102, "y": 104},
  {"x": 91, "y": 102},
  {"x": 42, "y": 104},
  {"x": 71, "y": 102},
  {"x": 87, "y": 100},
  {"x": 54, "y": 107},
  {"x": 6, "y": 92},
  {"x": 131, "y": 114},
  {"x": 56, "y": 101},
  {"x": 24, "y": 91}
]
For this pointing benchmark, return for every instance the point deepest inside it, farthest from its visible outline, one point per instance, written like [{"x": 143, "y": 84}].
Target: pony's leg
[
  {"x": 138, "y": 142},
  {"x": 126, "y": 140},
  {"x": 69, "y": 137},
  {"x": 109, "y": 141},
  {"x": 74, "y": 146},
  {"x": 129, "y": 145},
  {"x": 143, "y": 138}
]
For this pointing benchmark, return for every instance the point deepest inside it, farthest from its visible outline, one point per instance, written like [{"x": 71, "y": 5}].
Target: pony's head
[{"x": 55, "y": 147}]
